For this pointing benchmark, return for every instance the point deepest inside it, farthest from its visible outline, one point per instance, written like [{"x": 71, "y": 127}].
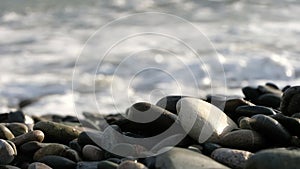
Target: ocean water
[{"x": 103, "y": 56}]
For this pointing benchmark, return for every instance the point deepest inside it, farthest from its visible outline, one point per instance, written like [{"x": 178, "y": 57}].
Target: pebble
[
  {"x": 17, "y": 128},
  {"x": 5, "y": 133},
  {"x": 244, "y": 140},
  {"x": 131, "y": 165},
  {"x": 203, "y": 121},
  {"x": 208, "y": 148},
  {"x": 275, "y": 158},
  {"x": 289, "y": 123},
  {"x": 7, "y": 152},
  {"x": 57, "y": 162},
  {"x": 249, "y": 111},
  {"x": 232, "y": 104},
  {"x": 270, "y": 128},
  {"x": 169, "y": 103},
  {"x": 269, "y": 100},
  {"x": 231, "y": 157},
  {"x": 56, "y": 132},
  {"x": 251, "y": 94},
  {"x": 8, "y": 167},
  {"x": 87, "y": 165},
  {"x": 107, "y": 165},
  {"x": 35, "y": 135},
  {"x": 291, "y": 101},
  {"x": 32, "y": 146},
  {"x": 244, "y": 122},
  {"x": 178, "y": 158},
  {"x": 92, "y": 153},
  {"x": 57, "y": 150},
  {"x": 38, "y": 165},
  {"x": 75, "y": 145}
]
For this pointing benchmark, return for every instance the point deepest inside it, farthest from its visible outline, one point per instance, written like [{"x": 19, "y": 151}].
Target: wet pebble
[
  {"x": 35, "y": 135},
  {"x": 289, "y": 123},
  {"x": 291, "y": 101},
  {"x": 269, "y": 100},
  {"x": 7, "y": 152},
  {"x": 231, "y": 157},
  {"x": 17, "y": 128},
  {"x": 208, "y": 148},
  {"x": 249, "y": 111},
  {"x": 5, "y": 133}
]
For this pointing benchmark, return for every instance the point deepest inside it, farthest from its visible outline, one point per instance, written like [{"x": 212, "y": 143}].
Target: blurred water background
[{"x": 257, "y": 41}]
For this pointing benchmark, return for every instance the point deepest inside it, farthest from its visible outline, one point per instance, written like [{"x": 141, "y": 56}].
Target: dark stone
[
  {"x": 17, "y": 128},
  {"x": 251, "y": 94},
  {"x": 289, "y": 123},
  {"x": 35, "y": 135},
  {"x": 269, "y": 100},
  {"x": 57, "y": 162},
  {"x": 208, "y": 148},
  {"x": 38, "y": 165},
  {"x": 232, "y": 104},
  {"x": 169, "y": 103},
  {"x": 5, "y": 133},
  {"x": 17, "y": 116},
  {"x": 75, "y": 145},
  {"x": 32, "y": 146},
  {"x": 275, "y": 158},
  {"x": 291, "y": 101},
  {"x": 270, "y": 128},
  {"x": 107, "y": 165},
  {"x": 272, "y": 85},
  {"x": 269, "y": 89}
]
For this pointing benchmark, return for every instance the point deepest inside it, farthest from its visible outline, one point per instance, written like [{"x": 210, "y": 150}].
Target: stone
[
  {"x": 178, "y": 158},
  {"x": 38, "y": 165},
  {"x": 32, "y": 146},
  {"x": 107, "y": 165},
  {"x": 232, "y": 104},
  {"x": 56, "y": 150},
  {"x": 269, "y": 100},
  {"x": 131, "y": 165},
  {"x": 270, "y": 128},
  {"x": 196, "y": 148},
  {"x": 203, "y": 121},
  {"x": 92, "y": 153},
  {"x": 291, "y": 101},
  {"x": 231, "y": 157},
  {"x": 244, "y": 140},
  {"x": 56, "y": 132},
  {"x": 249, "y": 111},
  {"x": 169, "y": 103},
  {"x": 275, "y": 158},
  {"x": 124, "y": 150},
  {"x": 8, "y": 167},
  {"x": 87, "y": 165},
  {"x": 17, "y": 116},
  {"x": 35, "y": 135},
  {"x": 244, "y": 123},
  {"x": 272, "y": 85},
  {"x": 208, "y": 148},
  {"x": 7, "y": 152},
  {"x": 57, "y": 162},
  {"x": 251, "y": 94},
  {"x": 5, "y": 133},
  {"x": 17, "y": 128},
  {"x": 292, "y": 125},
  {"x": 269, "y": 89},
  {"x": 75, "y": 145}
]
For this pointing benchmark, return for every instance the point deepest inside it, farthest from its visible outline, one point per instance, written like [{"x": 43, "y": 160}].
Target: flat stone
[
  {"x": 231, "y": 157},
  {"x": 131, "y": 165},
  {"x": 203, "y": 121},
  {"x": 291, "y": 101},
  {"x": 275, "y": 158},
  {"x": 291, "y": 124},
  {"x": 7, "y": 152},
  {"x": 249, "y": 111},
  {"x": 32, "y": 146},
  {"x": 244, "y": 140},
  {"x": 56, "y": 132},
  {"x": 208, "y": 148},
  {"x": 38, "y": 165},
  {"x": 269, "y": 100},
  {"x": 270, "y": 128},
  {"x": 35, "y": 135},
  {"x": 92, "y": 153},
  {"x": 107, "y": 165},
  {"x": 8, "y": 167},
  {"x": 178, "y": 158},
  {"x": 57, "y": 162},
  {"x": 17, "y": 128},
  {"x": 232, "y": 104},
  {"x": 87, "y": 165}
]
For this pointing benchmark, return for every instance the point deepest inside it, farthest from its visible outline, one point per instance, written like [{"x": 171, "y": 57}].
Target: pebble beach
[{"x": 259, "y": 130}]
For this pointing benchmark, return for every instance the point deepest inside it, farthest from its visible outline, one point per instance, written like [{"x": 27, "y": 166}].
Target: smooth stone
[
  {"x": 107, "y": 165},
  {"x": 57, "y": 162},
  {"x": 57, "y": 150},
  {"x": 244, "y": 140},
  {"x": 275, "y": 158},
  {"x": 251, "y": 94},
  {"x": 75, "y": 145},
  {"x": 8, "y": 167},
  {"x": 17, "y": 128},
  {"x": 291, "y": 101},
  {"x": 38, "y": 165},
  {"x": 32, "y": 146},
  {"x": 249, "y": 111},
  {"x": 115, "y": 160},
  {"x": 272, "y": 85},
  {"x": 5, "y": 133},
  {"x": 289, "y": 123},
  {"x": 270, "y": 128},
  {"x": 17, "y": 116},
  {"x": 92, "y": 153},
  {"x": 87, "y": 165},
  {"x": 203, "y": 121},
  {"x": 231, "y": 157},
  {"x": 131, "y": 165},
  {"x": 169, "y": 103},
  {"x": 196, "y": 148},
  {"x": 269, "y": 100},
  {"x": 178, "y": 158},
  {"x": 35, "y": 135},
  {"x": 232, "y": 104},
  {"x": 143, "y": 116},
  {"x": 208, "y": 148},
  {"x": 89, "y": 137},
  {"x": 7, "y": 152},
  {"x": 267, "y": 89},
  {"x": 56, "y": 132}
]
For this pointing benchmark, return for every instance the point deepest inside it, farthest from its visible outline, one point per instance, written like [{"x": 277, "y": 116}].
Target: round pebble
[
  {"x": 92, "y": 153},
  {"x": 35, "y": 135},
  {"x": 5, "y": 133},
  {"x": 131, "y": 165},
  {"x": 57, "y": 162},
  {"x": 7, "y": 152},
  {"x": 17, "y": 128},
  {"x": 38, "y": 165},
  {"x": 291, "y": 101}
]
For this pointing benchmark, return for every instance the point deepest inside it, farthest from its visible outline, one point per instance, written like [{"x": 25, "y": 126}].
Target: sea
[{"x": 74, "y": 56}]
